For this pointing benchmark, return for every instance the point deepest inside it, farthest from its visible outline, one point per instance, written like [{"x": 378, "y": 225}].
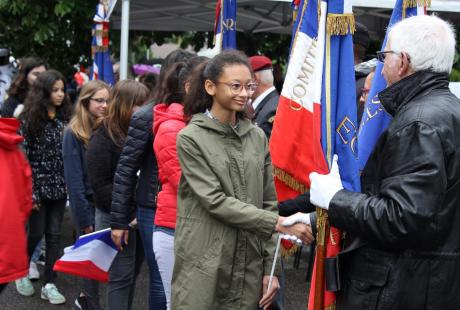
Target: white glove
[
  {"x": 297, "y": 218},
  {"x": 324, "y": 186},
  {"x": 291, "y": 238}
]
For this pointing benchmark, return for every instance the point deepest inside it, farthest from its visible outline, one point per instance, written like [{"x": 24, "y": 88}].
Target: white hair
[
  {"x": 428, "y": 40},
  {"x": 266, "y": 76}
]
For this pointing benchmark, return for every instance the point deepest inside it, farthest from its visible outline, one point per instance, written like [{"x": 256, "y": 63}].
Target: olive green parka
[{"x": 226, "y": 216}]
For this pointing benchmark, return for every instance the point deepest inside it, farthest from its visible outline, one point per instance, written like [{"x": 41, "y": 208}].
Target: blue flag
[
  {"x": 375, "y": 119},
  {"x": 339, "y": 126},
  {"x": 102, "y": 66},
  {"x": 225, "y": 25}
]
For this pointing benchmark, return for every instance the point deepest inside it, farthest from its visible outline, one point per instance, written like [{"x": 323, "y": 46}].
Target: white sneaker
[
  {"x": 51, "y": 293},
  {"x": 24, "y": 286},
  {"x": 33, "y": 271}
]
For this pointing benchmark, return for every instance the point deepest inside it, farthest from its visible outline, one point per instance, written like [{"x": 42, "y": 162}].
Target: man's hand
[
  {"x": 35, "y": 206},
  {"x": 324, "y": 186},
  {"x": 300, "y": 230},
  {"x": 119, "y": 236},
  {"x": 268, "y": 296}
]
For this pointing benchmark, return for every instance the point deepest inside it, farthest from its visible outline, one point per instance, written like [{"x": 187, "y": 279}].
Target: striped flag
[
  {"x": 90, "y": 257},
  {"x": 225, "y": 25},
  {"x": 316, "y": 116},
  {"x": 102, "y": 66},
  {"x": 375, "y": 120}
]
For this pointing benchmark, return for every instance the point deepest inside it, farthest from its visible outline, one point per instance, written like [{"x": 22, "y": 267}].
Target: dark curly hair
[
  {"x": 35, "y": 113},
  {"x": 20, "y": 86},
  {"x": 197, "y": 99}
]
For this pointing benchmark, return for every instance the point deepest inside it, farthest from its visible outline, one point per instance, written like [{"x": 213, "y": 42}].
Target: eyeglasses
[
  {"x": 381, "y": 55},
  {"x": 236, "y": 87},
  {"x": 99, "y": 100}
]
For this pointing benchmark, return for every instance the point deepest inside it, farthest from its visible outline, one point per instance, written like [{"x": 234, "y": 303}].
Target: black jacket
[
  {"x": 264, "y": 114},
  {"x": 101, "y": 159},
  {"x": 9, "y": 106},
  {"x": 403, "y": 231},
  {"x": 137, "y": 155}
]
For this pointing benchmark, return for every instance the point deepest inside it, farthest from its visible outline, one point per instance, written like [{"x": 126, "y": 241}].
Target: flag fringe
[
  {"x": 95, "y": 49},
  {"x": 415, "y": 3},
  {"x": 104, "y": 33},
  {"x": 340, "y": 24},
  {"x": 286, "y": 253},
  {"x": 289, "y": 180},
  {"x": 331, "y": 307}
]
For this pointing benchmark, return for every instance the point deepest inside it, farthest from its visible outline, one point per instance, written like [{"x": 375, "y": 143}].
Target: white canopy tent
[{"x": 254, "y": 16}]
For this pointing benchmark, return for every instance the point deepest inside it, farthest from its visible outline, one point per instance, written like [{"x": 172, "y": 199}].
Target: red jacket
[
  {"x": 15, "y": 203},
  {"x": 167, "y": 122}
]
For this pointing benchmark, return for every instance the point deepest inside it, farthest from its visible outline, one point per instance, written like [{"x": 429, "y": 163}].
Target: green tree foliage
[{"x": 59, "y": 31}]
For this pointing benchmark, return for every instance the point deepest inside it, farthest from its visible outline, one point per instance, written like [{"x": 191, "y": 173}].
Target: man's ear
[
  {"x": 210, "y": 87},
  {"x": 404, "y": 68}
]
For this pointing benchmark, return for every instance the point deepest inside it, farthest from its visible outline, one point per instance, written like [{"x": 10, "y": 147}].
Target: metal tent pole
[{"x": 124, "y": 39}]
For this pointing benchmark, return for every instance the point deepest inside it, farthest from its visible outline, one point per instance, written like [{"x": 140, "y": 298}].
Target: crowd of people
[{"x": 179, "y": 169}]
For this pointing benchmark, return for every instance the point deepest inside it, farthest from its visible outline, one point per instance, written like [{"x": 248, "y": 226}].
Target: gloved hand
[
  {"x": 324, "y": 186},
  {"x": 297, "y": 218},
  {"x": 291, "y": 238}
]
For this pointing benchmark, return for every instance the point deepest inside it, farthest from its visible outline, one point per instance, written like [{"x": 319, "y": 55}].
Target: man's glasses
[
  {"x": 381, "y": 55},
  {"x": 236, "y": 87},
  {"x": 99, "y": 100}
]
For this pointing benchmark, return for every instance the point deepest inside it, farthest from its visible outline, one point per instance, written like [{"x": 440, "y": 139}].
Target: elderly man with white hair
[{"x": 402, "y": 244}]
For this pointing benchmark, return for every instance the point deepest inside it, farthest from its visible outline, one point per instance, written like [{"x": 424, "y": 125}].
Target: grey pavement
[{"x": 295, "y": 297}]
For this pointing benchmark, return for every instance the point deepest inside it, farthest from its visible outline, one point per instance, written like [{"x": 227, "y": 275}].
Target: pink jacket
[{"x": 168, "y": 120}]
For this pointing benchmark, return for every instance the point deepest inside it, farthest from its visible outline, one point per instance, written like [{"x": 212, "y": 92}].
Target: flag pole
[
  {"x": 124, "y": 40},
  {"x": 272, "y": 272},
  {"x": 321, "y": 237}
]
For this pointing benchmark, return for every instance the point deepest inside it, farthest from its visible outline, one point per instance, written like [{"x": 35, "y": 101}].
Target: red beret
[{"x": 260, "y": 63}]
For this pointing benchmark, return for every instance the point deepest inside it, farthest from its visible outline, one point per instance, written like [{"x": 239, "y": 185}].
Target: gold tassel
[
  {"x": 340, "y": 24},
  {"x": 286, "y": 253},
  {"x": 289, "y": 180},
  {"x": 95, "y": 49},
  {"x": 414, "y": 3},
  {"x": 331, "y": 307},
  {"x": 104, "y": 33}
]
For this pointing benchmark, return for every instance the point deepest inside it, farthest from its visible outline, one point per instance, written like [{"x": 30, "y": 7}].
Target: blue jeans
[{"x": 145, "y": 219}]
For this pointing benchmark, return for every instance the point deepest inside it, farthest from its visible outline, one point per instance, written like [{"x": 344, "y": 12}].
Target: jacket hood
[
  {"x": 403, "y": 91},
  {"x": 201, "y": 120},
  {"x": 9, "y": 138},
  {"x": 163, "y": 112}
]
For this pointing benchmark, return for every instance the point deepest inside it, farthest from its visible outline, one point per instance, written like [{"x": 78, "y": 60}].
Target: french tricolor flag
[
  {"x": 295, "y": 143},
  {"x": 90, "y": 257}
]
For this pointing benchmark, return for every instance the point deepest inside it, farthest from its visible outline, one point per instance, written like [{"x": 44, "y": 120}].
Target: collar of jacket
[
  {"x": 204, "y": 121},
  {"x": 397, "y": 95}
]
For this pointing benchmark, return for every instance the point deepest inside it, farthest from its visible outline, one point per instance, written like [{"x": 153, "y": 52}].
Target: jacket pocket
[{"x": 365, "y": 279}]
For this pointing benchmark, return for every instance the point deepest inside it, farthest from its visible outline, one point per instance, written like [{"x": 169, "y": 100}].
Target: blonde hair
[
  {"x": 124, "y": 97},
  {"x": 82, "y": 122}
]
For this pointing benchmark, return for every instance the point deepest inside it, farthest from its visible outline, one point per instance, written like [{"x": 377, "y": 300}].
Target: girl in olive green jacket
[{"x": 226, "y": 211}]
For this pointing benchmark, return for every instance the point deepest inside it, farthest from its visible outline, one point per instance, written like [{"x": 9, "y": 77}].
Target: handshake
[{"x": 297, "y": 227}]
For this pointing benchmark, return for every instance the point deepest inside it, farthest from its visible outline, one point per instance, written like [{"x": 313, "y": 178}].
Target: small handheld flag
[{"x": 90, "y": 257}]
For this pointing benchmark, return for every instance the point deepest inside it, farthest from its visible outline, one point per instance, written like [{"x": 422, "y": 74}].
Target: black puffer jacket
[
  {"x": 403, "y": 232},
  {"x": 102, "y": 157},
  {"x": 137, "y": 154}
]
